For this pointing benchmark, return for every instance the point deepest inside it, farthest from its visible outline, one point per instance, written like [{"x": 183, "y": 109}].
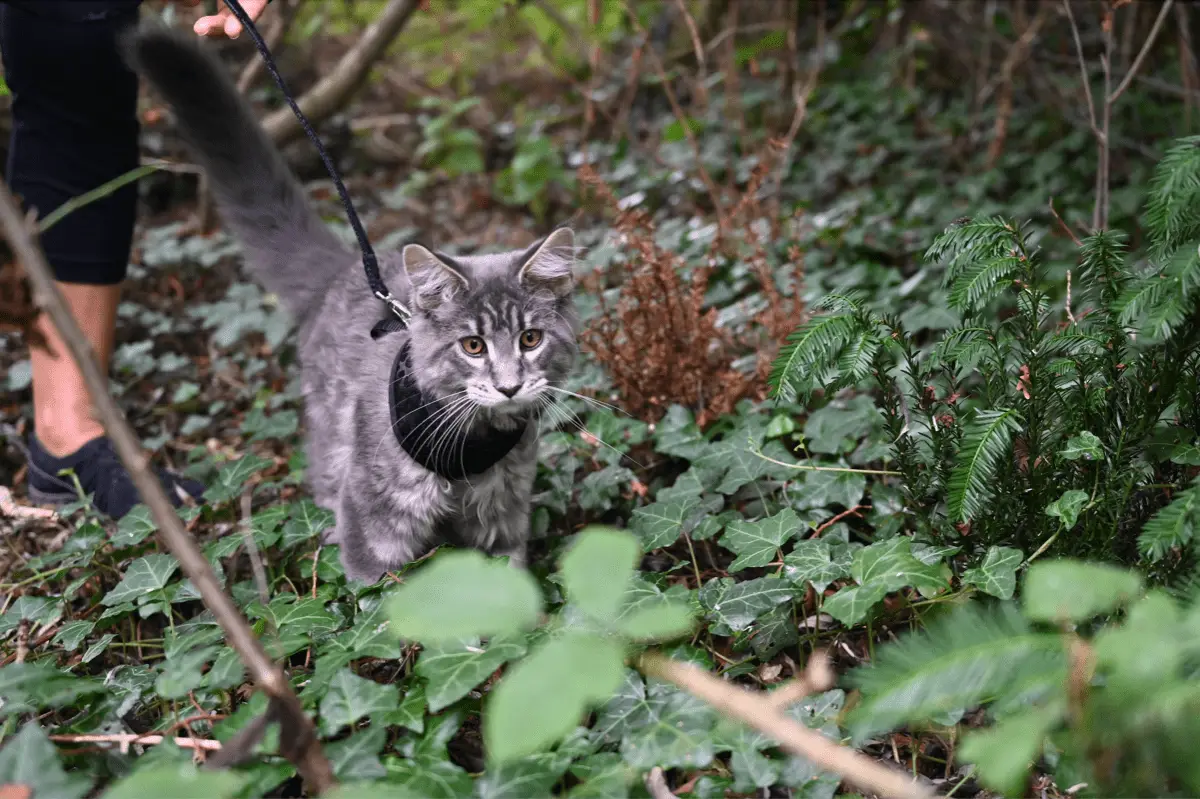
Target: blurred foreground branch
[
  {"x": 298, "y": 738},
  {"x": 760, "y": 713}
]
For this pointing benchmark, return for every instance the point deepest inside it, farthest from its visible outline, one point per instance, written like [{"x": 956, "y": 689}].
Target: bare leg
[{"x": 62, "y": 407}]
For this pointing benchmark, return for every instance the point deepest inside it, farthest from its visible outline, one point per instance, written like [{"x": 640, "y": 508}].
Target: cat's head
[{"x": 496, "y": 331}]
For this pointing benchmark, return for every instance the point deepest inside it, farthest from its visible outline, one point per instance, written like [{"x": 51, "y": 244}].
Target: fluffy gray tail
[{"x": 286, "y": 244}]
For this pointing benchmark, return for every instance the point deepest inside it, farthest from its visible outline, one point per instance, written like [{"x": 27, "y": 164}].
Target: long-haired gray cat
[{"x": 404, "y": 431}]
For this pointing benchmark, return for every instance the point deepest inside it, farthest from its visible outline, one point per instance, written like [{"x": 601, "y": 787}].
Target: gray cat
[{"x": 403, "y": 430}]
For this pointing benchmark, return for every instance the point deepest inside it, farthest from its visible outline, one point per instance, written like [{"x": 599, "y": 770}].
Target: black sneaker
[{"x": 100, "y": 473}]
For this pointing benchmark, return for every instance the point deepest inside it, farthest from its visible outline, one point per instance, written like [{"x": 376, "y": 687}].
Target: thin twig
[
  {"x": 682, "y": 118},
  {"x": 1064, "y": 225},
  {"x": 1141, "y": 56},
  {"x": 698, "y": 46},
  {"x": 806, "y": 468},
  {"x": 830, "y": 523},
  {"x": 125, "y": 740},
  {"x": 1087, "y": 85},
  {"x": 298, "y": 738},
  {"x": 816, "y": 678},
  {"x": 256, "y": 564},
  {"x": 756, "y": 711}
]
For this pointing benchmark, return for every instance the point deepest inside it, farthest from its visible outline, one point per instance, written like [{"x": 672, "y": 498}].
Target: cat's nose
[{"x": 509, "y": 391}]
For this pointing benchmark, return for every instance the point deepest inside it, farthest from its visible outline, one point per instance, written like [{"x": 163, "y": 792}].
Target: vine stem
[
  {"x": 298, "y": 737},
  {"x": 806, "y": 468},
  {"x": 757, "y": 711}
]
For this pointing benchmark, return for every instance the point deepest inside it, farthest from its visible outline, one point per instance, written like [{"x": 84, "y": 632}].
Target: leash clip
[{"x": 396, "y": 307}]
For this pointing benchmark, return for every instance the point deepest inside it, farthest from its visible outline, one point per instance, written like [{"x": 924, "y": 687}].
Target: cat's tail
[{"x": 286, "y": 244}]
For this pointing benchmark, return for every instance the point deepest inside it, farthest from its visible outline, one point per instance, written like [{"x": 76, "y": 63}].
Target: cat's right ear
[{"x": 433, "y": 280}]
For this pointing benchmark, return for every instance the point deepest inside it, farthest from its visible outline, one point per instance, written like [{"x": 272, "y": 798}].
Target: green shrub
[{"x": 1052, "y": 427}]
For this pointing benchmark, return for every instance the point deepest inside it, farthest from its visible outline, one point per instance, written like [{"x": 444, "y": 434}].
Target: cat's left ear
[{"x": 549, "y": 265}]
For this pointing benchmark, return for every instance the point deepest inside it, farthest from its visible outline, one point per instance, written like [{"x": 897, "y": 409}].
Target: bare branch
[
  {"x": 332, "y": 90},
  {"x": 656, "y": 784},
  {"x": 1141, "y": 56},
  {"x": 296, "y": 728},
  {"x": 1087, "y": 84},
  {"x": 125, "y": 740},
  {"x": 759, "y": 713}
]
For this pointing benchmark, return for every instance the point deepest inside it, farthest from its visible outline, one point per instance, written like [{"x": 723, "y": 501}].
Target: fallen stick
[
  {"x": 758, "y": 712},
  {"x": 126, "y": 740},
  {"x": 298, "y": 738}
]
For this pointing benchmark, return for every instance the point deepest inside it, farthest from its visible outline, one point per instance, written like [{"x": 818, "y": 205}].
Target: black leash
[{"x": 370, "y": 263}]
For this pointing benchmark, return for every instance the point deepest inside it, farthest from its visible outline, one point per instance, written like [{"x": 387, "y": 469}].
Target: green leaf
[
  {"x": 822, "y": 489},
  {"x": 530, "y": 776},
  {"x": 464, "y": 595},
  {"x": 974, "y": 653},
  {"x": 71, "y": 634},
  {"x": 144, "y": 576},
  {"x": 182, "y": 672},
  {"x": 232, "y": 478},
  {"x": 675, "y": 730},
  {"x": 660, "y": 622},
  {"x": 758, "y": 543},
  {"x": 351, "y": 698},
  {"x": 1148, "y": 648},
  {"x": 1085, "y": 446},
  {"x": 293, "y": 614},
  {"x": 1173, "y": 526},
  {"x": 676, "y": 434},
  {"x": 1005, "y": 752},
  {"x": 892, "y": 564},
  {"x": 851, "y": 604},
  {"x": 818, "y": 562},
  {"x": 305, "y": 522},
  {"x": 181, "y": 780},
  {"x": 597, "y": 568},
  {"x": 374, "y": 790},
  {"x": 739, "y": 604},
  {"x": 661, "y": 523},
  {"x": 986, "y": 441},
  {"x": 28, "y": 687},
  {"x": 1067, "y": 507},
  {"x": 30, "y": 759},
  {"x": 544, "y": 696},
  {"x": 997, "y": 575},
  {"x": 1065, "y": 590},
  {"x": 452, "y": 668},
  {"x": 357, "y": 757},
  {"x": 134, "y": 527}
]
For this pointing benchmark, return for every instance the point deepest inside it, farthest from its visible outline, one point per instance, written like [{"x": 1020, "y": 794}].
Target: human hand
[{"x": 224, "y": 23}]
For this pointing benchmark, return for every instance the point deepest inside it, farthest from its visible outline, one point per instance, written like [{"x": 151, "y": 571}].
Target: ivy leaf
[
  {"x": 357, "y": 757},
  {"x": 818, "y": 562},
  {"x": 429, "y": 777},
  {"x": 1085, "y": 446},
  {"x": 851, "y": 604},
  {"x": 411, "y": 713},
  {"x": 305, "y": 521},
  {"x": 1068, "y": 507},
  {"x": 757, "y": 543},
  {"x": 597, "y": 568},
  {"x": 677, "y": 731},
  {"x": 37, "y": 610},
  {"x": 179, "y": 780},
  {"x": 677, "y": 435},
  {"x": 603, "y": 776},
  {"x": 738, "y": 605},
  {"x": 30, "y": 759},
  {"x": 144, "y": 576},
  {"x": 182, "y": 672},
  {"x": 661, "y": 523},
  {"x": 232, "y": 478},
  {"x": 351, "y": 697},
  {"x": 822, "y": 489},
  {"x": 544, "y": 696},
  {"x": 997, "y": 575},
  {"x": 464, "y": 595},
  {"x": 28, "y": 687},
  {"x": 280, "y": 424},
  {"x": 1005, "y": 752},
  {"x": 71, "y": 634},
  {"x": 288, "y": 613},
  {"x": 534, "y": 775},
  {"x": 1072, "y": 591},
  {"x": 892, "y": 564},
  {"x": 452, "y": 668},
  {"x": 134, "y": 527}
]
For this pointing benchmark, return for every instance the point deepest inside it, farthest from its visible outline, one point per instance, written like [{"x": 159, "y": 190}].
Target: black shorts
[{"x": 75, "y": 127}]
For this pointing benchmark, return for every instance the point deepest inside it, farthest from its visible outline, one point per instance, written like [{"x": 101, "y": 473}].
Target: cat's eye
[
  {"x": 473, "y": 346},
  {"x": 530, "y": 339}
]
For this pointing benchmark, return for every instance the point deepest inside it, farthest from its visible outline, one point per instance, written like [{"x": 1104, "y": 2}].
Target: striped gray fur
[{"x": 389, "y": 510}]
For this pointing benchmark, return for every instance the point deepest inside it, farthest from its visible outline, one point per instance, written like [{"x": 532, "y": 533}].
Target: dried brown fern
[{"x": 659, "y": 343}]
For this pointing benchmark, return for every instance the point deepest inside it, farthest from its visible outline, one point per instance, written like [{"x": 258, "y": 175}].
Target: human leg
[{"x": 74, "y": 129}]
